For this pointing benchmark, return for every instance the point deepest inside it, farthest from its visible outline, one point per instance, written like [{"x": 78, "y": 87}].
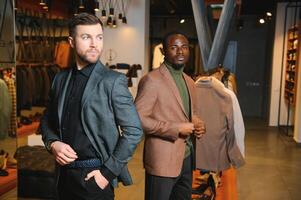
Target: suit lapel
[
  {"x": 62, "y": 96},
  {"x": 95, "y": 77},
  {"x": 190, "y": 92},
  {"x": 171, "y": 83}
]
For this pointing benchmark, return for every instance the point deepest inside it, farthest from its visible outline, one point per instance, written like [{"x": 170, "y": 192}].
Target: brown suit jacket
[
  {"x": 160, "y": 108},
  {"x": 217, "y": 150}
]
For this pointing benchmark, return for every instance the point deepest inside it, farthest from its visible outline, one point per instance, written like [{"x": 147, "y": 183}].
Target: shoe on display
[{"x": 3, "y": 172}]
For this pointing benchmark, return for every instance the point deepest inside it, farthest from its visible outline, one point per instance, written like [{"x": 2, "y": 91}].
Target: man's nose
[
  {"x": 180, "y": 50},
  {"x": 93, "y": 42}
]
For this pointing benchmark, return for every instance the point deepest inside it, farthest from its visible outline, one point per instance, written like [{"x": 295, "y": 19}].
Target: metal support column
[
  {"x": 203, "y": 31},
  {"x": 223, "y": 26}
]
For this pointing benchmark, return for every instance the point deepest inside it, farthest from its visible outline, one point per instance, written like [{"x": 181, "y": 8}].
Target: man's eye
[
  {"x": 84, "y": 37},
  {"x": 99, "y": 37}
]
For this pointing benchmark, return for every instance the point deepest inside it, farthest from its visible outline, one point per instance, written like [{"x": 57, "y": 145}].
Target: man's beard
[
  {"x": 84, "y": 58},
  {"x": 177, "y": 66}
]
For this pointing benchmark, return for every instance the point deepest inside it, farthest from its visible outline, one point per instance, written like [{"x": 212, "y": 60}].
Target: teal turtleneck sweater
[{"x": 182, "y": 88}]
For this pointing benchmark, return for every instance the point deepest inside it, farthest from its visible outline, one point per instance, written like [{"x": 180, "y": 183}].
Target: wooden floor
[{"x": 272, "y": 170}]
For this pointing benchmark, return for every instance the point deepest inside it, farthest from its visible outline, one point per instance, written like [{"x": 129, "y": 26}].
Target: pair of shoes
[
  {"x": 25, "y": 120},
  {"x": 199, "y": 190},
  {"x": 7, "y": 161},
  {"x": 208, "y": 194},
  {"x": 3, "y": 172},
  {"x": 12, "y": 134},
  {"x": 3, "y": 160}
]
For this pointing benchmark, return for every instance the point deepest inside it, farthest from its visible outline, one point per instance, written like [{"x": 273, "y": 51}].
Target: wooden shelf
[
  {"x": 293, "y": 39},
  {"x": 290, "y": 71},
  {"x": 289, "y": 91},
  {"x": 293, "y": 48},
  {"x": 290, "y": 81},
  {"x": 26, "y": 130}
]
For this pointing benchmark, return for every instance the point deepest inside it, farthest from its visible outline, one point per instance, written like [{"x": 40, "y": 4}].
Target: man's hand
[
  {"x": 100, "y": 180},
  {"x": 63, "y": 153},
  {"x": 186, "y": 129},
  {"x": 199, "y": 127}
]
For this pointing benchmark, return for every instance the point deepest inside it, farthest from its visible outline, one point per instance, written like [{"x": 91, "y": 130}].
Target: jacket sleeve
[
  {"x": 127, "y": 119},
  {"x": 145, "y": 102},
  {"x": 233, "y": 151},
  {"x": 47, "y": 125}
]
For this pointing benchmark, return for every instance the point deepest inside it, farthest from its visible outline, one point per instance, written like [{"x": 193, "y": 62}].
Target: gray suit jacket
[{"x": 107, "y": 107}]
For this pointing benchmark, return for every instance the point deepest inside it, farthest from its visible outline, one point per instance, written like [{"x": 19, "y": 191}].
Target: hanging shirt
[{"x": 5, "y": 109}]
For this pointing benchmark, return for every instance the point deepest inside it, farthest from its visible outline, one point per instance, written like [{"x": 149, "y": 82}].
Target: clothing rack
[
  {"x": 6, "y": 62},
  {"x": 30, "y": 64}
]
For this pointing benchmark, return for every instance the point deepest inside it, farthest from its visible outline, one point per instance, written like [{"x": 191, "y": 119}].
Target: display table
[{"x": 36, "y": 173}]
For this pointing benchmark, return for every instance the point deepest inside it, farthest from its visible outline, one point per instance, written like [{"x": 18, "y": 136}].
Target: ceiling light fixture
[
  {"x": 42, "y": 2},
  {"x": 261, "y": 21},
  {"x": 120, "y": 16},
  {"x": 110, "y": 21},
  {"x": 16, "y": 4},
  {"x": 182, "y": 21},
  {"x": 103, "y": 14},
  {"x": 114, "y": 23},
  {"x": 81, "y": 4},
  {"x": 45, "y": 6},
  {"x": 113, "y": 12},
  {"x": 269, "y": 14},
  {"x": 96, "y": 6},
  {"x": 124, "y": 20}
]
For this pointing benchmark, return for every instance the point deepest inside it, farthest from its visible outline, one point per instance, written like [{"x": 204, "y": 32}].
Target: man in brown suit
[{"x": 165, "y": 105}]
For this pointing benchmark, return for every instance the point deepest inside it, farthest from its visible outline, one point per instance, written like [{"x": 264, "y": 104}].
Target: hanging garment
[
  {"x": 13, "y": 118},
  {"x": 38, "y": 78},
  {"x": 217, "y": 149},
  {"x": 46, "y": 86},
  {"x": 5, "y": 109},
  {"x": 62, "y": 54},
  {"x": 239, "y": 127},
  {"x": 158, "y": 57}
]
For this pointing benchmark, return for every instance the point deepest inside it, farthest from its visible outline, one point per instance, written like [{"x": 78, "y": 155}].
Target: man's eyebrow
[{"x": 90, "y": 34}]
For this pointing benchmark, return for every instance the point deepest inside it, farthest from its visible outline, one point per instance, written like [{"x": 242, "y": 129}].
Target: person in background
[
  {"x": 165, "y": 105},
  {"x": 91, "y": 125}
]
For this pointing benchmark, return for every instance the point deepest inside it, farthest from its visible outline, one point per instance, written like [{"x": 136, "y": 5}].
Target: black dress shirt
[{"x": 72, "y": 129}]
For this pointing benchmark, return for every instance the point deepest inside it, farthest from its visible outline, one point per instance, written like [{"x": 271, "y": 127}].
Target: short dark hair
[
  {"x": 83, "y": 19},
  {"x": 166, "y": 37}
]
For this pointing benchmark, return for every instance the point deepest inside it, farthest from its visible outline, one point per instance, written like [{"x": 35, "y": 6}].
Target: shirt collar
[
  {"x": 86, "y": 71},
  {"x": 172, "y": 70}
]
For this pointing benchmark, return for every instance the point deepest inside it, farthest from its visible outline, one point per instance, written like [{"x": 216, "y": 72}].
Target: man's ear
[{"x": 71, "y": 41}]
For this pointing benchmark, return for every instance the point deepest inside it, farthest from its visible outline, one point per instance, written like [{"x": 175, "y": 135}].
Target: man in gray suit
[{"x": 91, "y": 125}]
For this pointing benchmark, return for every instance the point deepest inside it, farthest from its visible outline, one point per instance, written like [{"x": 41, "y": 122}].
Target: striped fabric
[{"x": 12, "y": 91}]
